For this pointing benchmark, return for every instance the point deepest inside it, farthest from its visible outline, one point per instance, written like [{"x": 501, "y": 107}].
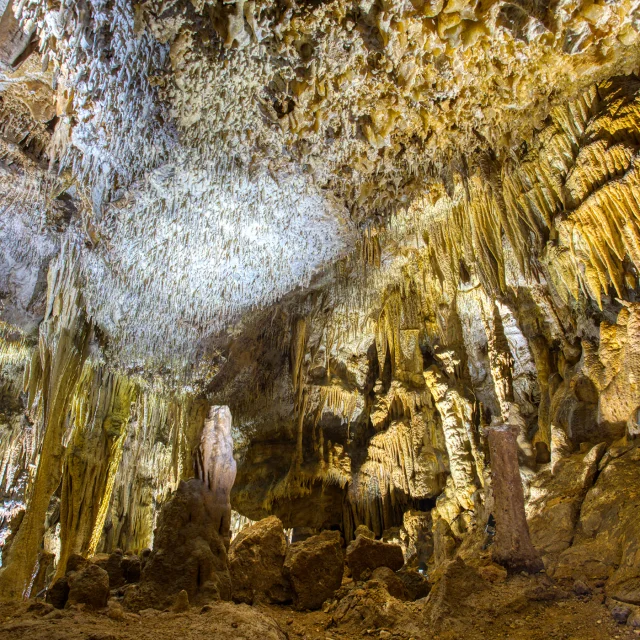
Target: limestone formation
[
  {"x": 216, "y": 466},
  {"x": 314, "y": 568},
  {"x": 188, "y": 553},
  {"x": 256, "y": 563},
  {"x": 363, "y": 277},
  {"x": 365, "y": 555},
  {"x": 512, "y": 547}
]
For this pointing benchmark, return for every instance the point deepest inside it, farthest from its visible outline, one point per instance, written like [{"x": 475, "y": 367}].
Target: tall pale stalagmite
[{"x": 216, "y": 466}]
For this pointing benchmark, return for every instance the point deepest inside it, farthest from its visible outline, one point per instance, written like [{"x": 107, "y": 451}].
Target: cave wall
[
  {"x": 514, "y": 298},
  {"x": 364, "y": 398}
]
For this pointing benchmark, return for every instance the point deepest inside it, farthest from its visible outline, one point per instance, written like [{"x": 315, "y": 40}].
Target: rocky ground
[{"x": 521, "y": 607}]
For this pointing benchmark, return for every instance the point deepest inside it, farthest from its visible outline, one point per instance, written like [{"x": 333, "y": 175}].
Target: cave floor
[{"x": 501, "y": 612}]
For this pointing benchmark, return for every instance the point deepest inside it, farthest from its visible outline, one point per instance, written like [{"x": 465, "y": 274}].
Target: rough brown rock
[
  {"x": 131, "y": 568},
  {"x": 416, "y": 585},
  {"x": 393, "y": 584},
  {"x": 76, "y": 562},
  {"x": 89, "y": 586},
  {"x": 112, "y": 564},
  {"x": 457, "y": 582},
  {"x": 256, "y": 563},
  {"x": 58, "y": 593},
  {"x": 315, "y": 567},
  {"x": 607, "y": 539},
  {"x": 493, "y": 573},
  {"x": 362, "y": 608},
  {"x": 188, "y": 553},
  {"x": 555, "y": 501},
  {"x": 364, "y": 554},
  {"x": 363, "y": 530},
  {"x": 181, "y": 603}
]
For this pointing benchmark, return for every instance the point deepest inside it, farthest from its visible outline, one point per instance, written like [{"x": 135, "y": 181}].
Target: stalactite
[
  {"x": 99, "y": 416},
  {"x": 456, "y": 413},
  {"x": 157, "y": 453},
  {"x": 62, "y": 348}
]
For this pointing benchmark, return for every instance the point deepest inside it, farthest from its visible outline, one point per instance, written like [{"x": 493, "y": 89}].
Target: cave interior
[{"x": 319, "y": 319}]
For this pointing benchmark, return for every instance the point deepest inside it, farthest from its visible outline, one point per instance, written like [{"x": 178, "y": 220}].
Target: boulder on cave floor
[
  {"x": 58, "y": 593},
  {"x": 359, "y": 608},
  {"x": 89, "y": 586},
  {"x": 256, "y": 563},
  {"x": 315, "y": 567},
  {"x": 457, "y": 582},
  {"x": 122, "y": 569},
  {"x": 188, "y": 553},
  {"x": 366, "y": 555},
  {"x": 363, "y": 530},
  {"x": 416, "y": 585},
  {"x": 392, "y": 583}
]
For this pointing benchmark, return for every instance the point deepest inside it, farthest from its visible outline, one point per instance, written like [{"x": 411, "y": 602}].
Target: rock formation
[
  {"x": 256, "y": 563},
  {"x": 314, "y": 568},
  {"x": 286, "y": 264},
  {"x": 365, "y": 555},
  {"x": 512, "y": 547},
  {"x": 188, "y": 553}
]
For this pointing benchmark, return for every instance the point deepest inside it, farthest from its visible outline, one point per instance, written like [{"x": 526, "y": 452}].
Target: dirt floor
[{"x": 520, "y": 608}]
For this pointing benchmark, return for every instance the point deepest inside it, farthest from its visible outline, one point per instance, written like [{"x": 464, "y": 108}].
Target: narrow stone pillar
[
  {"x": 216, "y": 466},
  {"x": 512, "y": 547}
]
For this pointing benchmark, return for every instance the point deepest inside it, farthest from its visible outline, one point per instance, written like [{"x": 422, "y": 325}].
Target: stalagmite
[
  {"x": 512, "y": 547},
  {"x": 216, "y": 465}
]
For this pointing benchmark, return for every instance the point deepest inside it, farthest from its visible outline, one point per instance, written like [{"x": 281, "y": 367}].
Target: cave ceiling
[{"x": 201, "y": 161}]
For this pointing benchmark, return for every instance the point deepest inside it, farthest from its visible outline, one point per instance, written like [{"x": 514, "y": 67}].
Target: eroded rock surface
[
  {"x": 315, "y": 567},
  {"x": 89, "y": 586},
  {"x": 188, "y": 553},
  {"x": 256, "y": 563},
  {"x": 365, "y": 555}
]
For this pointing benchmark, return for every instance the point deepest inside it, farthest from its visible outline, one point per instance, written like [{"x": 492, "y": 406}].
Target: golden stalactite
[
  {"x": 341, "y": 402},
  {"x": 62, "y": 349},
  {"x": 156, "y": 454},
  {"x": 297, "y": 352},
  {"x": 370, "y": 247},
  {"x": 14, "y": 349},
  {"x": 99, "y": 415}
]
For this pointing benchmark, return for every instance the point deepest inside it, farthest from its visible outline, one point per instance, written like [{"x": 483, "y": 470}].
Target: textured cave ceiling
[{"x": 200, "y": 160}]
